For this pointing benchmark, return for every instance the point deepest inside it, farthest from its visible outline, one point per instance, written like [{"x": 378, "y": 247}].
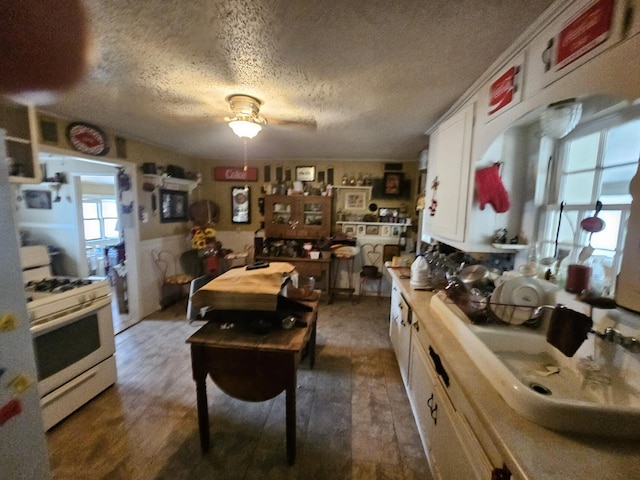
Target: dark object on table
[
  {"x": 260, "y": 326},
  {"x": 257, "y": 265}
]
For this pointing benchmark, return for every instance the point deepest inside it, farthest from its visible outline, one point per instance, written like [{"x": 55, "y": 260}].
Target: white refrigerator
[{"x": 23, "y": 451}]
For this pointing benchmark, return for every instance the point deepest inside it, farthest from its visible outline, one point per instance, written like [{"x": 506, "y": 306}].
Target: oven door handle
[{"x": 50, "y": 325}]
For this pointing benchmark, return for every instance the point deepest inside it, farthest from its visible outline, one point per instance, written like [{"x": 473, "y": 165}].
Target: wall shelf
[
  {"x": 165, "y": 181},
  {"x": 356, "y": 222},
  {"x": 352, "y": 187}
]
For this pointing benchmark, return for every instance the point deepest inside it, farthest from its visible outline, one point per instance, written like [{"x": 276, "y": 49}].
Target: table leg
[
  {"x": 203, "y": 413},
  {"x": 291, "y": 414},
  {"x": 200, "y": 377},
  {"x": 312, "y": 344}
]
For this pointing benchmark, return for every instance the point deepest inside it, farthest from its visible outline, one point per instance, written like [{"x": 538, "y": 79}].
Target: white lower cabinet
[
  {"x": 452, "y": 446},
  {"x": 400, "y": 331},
  {"x": 456, "y": 443},
  {"x": 448, "y": 439}
]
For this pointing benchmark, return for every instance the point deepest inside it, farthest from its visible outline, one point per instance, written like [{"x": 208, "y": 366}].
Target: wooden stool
[{"x": 347, "y": 262}]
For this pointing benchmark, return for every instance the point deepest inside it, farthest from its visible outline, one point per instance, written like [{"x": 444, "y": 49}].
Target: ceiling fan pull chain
[{"x": 245, "y": 154}]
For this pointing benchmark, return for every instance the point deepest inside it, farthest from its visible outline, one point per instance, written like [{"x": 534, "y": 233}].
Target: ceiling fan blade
[{"x": 309, "y": 123}]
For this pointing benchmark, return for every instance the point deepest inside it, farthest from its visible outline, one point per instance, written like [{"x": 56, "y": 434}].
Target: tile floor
[{"x": 354, "y": 419}]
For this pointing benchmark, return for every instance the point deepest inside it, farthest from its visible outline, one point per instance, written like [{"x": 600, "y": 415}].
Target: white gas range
[{"x": 73, "y": 337}]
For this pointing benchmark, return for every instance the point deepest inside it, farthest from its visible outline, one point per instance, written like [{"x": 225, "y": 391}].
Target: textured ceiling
[{"x": 373, "y": 75}]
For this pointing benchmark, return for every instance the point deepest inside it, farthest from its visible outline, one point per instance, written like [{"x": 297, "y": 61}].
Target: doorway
[
  {"x": 97, "y": 235},
  {"x": 104, "y": 240}
]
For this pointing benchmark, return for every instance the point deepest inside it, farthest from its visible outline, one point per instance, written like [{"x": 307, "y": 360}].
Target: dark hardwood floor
[{"x": 354, "y": 419}]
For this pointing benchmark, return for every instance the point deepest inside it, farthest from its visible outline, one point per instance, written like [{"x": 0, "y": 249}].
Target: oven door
[{"x": 72, "y": 343}]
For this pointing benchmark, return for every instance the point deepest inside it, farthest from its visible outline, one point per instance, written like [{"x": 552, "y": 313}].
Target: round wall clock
[{"x": 88, "y": 139}]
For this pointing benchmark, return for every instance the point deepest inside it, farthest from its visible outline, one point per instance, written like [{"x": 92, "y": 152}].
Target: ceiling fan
[{"x": 246, "y": 121}]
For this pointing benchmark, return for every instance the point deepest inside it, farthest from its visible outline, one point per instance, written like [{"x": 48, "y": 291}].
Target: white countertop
[{"x": 530, "y": 451}]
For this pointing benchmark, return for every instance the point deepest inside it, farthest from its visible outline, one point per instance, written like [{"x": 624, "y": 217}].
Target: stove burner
[{"x": 57, "y": 284}]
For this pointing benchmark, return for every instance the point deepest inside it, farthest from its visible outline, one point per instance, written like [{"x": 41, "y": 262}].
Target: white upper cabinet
[
  {"x": 448, "y": 185},
  {"x": 578, "y": 34},
  {"x": 497, "y": 119}
]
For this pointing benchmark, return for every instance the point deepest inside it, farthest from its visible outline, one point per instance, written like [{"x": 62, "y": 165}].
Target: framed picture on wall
[
  {"x": 240, "y": 205},
  {"x": 349, "y": 229},
  {"x": 306, "y": 174},
  {"x": 173, "y": 206},
  {"x": 355, "y": 200},
  {"x": 372, "y": 230},
  {"x": 361, "y": 230},
  {"x": 393, "y": 183},
  {"x": 38, "y": 199}
]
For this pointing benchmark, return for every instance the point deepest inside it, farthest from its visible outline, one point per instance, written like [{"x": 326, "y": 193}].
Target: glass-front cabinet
[
  {"x": 297, "y": 216},
  {"x": 19, "y": 122}
]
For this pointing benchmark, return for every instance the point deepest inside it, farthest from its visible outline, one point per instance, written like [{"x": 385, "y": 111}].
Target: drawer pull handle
[
  {"x": 433, "y": 408},
  {"x": 500, "y": 473},
  {"x": 439, "y": 367}
]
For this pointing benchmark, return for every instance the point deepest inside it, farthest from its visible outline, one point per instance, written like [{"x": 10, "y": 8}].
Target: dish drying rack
[{"x": 484, "y": 310}]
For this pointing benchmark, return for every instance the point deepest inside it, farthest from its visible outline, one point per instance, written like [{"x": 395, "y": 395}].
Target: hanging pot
[{"x": 593, "y": 224}]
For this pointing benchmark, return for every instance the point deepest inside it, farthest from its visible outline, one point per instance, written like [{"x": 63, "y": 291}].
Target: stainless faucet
[{"x": 611, "y": 335}]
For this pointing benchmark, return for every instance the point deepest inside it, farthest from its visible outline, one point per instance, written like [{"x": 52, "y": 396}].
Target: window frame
[
  {"x": 97, "y": 200},
  {"x": 546, "y": 236}
]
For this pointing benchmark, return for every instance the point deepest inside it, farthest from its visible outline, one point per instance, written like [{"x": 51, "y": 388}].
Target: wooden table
[{"x": 250, "y": 366}]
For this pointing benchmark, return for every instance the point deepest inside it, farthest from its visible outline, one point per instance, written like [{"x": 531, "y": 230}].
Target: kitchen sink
[{"x": 543, "y": 385}]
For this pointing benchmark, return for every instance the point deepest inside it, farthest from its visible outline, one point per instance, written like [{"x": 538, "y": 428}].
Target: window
[
  {"x": 100, "y": 217},
  {"x": 596, "y": 162}
]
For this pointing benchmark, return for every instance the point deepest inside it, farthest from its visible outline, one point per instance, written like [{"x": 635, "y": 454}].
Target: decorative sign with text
[
  {"x": 235, "y": 174},
  {"x": 501, "y": 91},
  {"x": 584, "y": 32}
]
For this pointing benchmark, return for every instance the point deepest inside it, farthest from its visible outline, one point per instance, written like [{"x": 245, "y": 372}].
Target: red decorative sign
[
  {"x": 87, "y": 138},
  {"x": 501, "y": 91},
  {"x": 235, "y": 174},
  {"x": 583, "y": 33}
]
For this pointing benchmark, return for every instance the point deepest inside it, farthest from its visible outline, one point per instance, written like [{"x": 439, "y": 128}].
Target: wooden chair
[
  {"x": 196, "y": 284},
  {"x": 172, "y": 281},
  {"x": 371, "y": 259}
]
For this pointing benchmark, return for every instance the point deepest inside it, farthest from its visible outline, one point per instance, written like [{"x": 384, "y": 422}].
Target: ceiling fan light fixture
[{"x": 245, "y": 128}]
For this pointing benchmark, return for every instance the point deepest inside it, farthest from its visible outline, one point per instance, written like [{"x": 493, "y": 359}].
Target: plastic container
[{"x": 419, "y": 272}]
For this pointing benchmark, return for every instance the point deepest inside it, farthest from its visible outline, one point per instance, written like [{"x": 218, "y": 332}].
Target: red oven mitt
[{"x": 489, "y": 189}]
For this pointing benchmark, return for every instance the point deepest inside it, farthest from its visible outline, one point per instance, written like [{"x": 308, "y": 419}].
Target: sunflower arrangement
[{"x": 202, "y": 237}]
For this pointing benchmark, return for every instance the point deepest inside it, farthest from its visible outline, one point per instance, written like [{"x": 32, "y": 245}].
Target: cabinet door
[
  {"x": 278, "y": 216},
  {"x": 293, "y": 216},
  {"x": 452, "y": 154},
  {"x": 422, "y": 394},
  {"x": 20, "y": 124},
  {"x": 314, "y": 217},
  {"x": 400, "y": 331}
]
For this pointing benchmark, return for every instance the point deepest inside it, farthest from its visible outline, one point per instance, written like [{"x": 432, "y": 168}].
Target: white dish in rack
[{"x": 513, "y": 301}]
